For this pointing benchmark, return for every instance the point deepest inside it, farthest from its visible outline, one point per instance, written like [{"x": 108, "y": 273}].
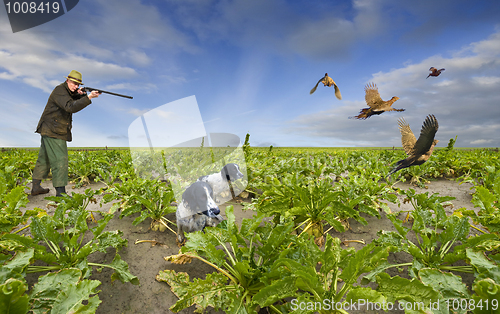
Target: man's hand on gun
[{"x": 92, "y": 94}]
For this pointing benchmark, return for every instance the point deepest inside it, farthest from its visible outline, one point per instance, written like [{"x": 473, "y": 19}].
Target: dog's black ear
[{"x": 225, "y": 173}]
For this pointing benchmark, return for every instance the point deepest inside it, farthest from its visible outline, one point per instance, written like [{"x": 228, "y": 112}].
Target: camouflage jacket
[{"x": 56, "y": 119}]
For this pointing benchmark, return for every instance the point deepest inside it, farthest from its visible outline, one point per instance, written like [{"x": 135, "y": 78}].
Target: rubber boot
[
  {"x": 60, "y": 190},
  {"x": 36, "y": 188}
]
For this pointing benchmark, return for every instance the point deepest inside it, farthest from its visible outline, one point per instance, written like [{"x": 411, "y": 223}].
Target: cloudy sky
[{"x": 251, "y": 64}]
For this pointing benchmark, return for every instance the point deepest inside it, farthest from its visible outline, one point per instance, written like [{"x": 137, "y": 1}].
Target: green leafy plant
[
  {"x": 16, "y": 167},
  {"x": 415, "y": 296},
  {"x": 247, "y": 254},
  {"x": 366, "y": 194},
  {"x": 119, "y": 165},
  {"x": 417, "y": 175},
  {"x": 328, "y": 277},
  {"x": 488, "y": 216},
  {"x": 262, "y": 266},
  {"x": 67, "y": 249},
  {"x": 11, "y": 215},
  {"x": 480, "y": 168},
  {"x": 65, "y": 291},
  {"x": 487, "y": 282},
  {"x": 436, "y": 234},
  {"x": 307, "y": 202},
  {"x": 435, "y": 291},
  {"x": 451, "y": 143},
  {"x": 246, "y": 145},
  {"x": 84, "y": 166},
  {"x": 150, "y": 198}
]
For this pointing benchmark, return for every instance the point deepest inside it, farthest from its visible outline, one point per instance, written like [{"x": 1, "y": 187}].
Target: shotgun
[{"x": 90, "y": 89}]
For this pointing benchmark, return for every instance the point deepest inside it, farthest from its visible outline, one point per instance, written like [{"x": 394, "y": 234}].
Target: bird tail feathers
[
  {"x": 363, "y": 114},
  {"x": 399, "y": 165}
]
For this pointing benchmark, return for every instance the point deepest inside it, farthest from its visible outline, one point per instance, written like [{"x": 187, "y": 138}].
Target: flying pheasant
[
  {"x": 420, "y": 150},
  {"x": 375, "y": 103},
  {"x": 327, "y": 81},
  {"x": 434, "y": 72}
]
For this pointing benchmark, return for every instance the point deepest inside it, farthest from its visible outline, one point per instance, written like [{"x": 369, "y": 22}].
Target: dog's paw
[{"x": 180, "y": 243}]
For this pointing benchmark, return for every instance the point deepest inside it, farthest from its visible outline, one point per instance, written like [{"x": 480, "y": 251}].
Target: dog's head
[
  {"x": 200, "y": 197},
  {"x": 231, "y": 172},
  {"x": 212, "y": 213},
  {"x": 214, "y": 221}
]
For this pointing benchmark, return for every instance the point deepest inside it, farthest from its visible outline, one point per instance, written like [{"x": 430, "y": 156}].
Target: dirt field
[{"x": 145, "y": 260}]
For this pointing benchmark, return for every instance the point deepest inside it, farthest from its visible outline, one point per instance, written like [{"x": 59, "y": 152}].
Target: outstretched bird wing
[
  {"x": 323, "y": 80},
  {"x": 314, "y": 88},
  {"x": 337, "y": 91},
  {"x": 422, "y": 145},
  {"x": 372, "y": 96},
  {"x": 408, "y": 139},
  {"x": 429, "y": 129}
]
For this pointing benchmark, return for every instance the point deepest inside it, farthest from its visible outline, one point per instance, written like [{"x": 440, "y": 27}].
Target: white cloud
[
  {"x": 486, "y": 80},
  {"x": 482, "y": 142},
  {"x": 489, "y": 47},
  {"x": 137, "y": 57},
  {"x": 84, "y": 136},
  {"x": 40, "y": 73},
  {"x": 175, "y": 79},
  {"x": 108, "y": 39},
  {"x": 138, "y": 112}
]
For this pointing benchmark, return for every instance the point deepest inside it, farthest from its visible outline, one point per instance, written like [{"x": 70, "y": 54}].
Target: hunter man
[{"x": 55, "y": 128}]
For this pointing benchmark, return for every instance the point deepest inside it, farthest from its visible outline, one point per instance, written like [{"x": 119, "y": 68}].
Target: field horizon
[{"x": 255, "y": 147}]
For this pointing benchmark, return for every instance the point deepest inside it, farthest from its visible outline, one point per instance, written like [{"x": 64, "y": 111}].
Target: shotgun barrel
[{"x": 90, "y": 89}]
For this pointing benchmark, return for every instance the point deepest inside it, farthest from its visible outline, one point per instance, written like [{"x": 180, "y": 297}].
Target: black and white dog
[
  {"x": 219, "y": 180},
  {"x": 197, "y": 210}
]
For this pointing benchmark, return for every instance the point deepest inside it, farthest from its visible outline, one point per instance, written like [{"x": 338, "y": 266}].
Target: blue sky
[{"x": 251, "y": 65}]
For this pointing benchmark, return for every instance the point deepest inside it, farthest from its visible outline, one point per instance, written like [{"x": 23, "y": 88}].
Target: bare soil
[{"x": 146, "y": 260}]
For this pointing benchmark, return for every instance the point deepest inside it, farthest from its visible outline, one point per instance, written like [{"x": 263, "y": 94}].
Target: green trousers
[{"x": 53, "y": 155}]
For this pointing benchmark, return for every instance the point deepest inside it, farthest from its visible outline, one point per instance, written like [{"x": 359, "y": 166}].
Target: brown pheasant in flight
[
  {"x": 434, "y": 72},
  {"x": 375, "y": 103},
  {"x": 420, "y": 150},
  {"x": 327, "y": 81}
]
